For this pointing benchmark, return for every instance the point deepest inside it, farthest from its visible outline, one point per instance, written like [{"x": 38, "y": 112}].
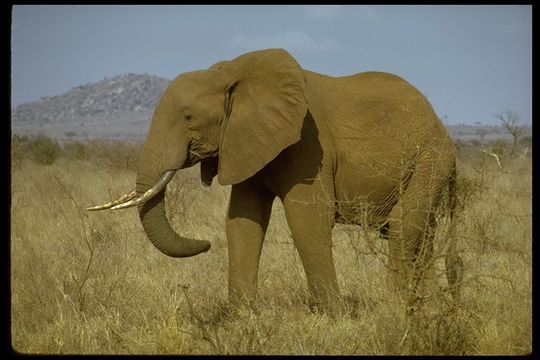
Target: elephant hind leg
[
  {"x": 411, "y": 230},
  {"x": 410, "y": 248}
]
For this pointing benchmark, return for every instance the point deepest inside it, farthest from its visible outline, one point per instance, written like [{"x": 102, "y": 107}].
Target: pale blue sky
[{"x": 470, "y": 61}]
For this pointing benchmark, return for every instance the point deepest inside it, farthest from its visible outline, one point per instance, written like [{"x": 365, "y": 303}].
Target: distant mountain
[
  {"x": 121, "y": 107},
  {"x": 117, "y": 107}
]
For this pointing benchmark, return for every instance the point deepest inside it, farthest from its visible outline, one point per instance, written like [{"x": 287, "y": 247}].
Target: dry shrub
[
  {"x": 44, "y": 150},
  {"x": 39, "y": 148},
  {"x": 91, "y": 283},
  {"x": 110, "y": 154}
]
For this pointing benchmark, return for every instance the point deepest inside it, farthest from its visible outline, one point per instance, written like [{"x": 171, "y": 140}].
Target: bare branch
[{"x": 511, "y": 122}]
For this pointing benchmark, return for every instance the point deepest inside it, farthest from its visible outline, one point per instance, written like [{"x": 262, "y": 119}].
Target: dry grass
[{"x": 91, "y": 283}]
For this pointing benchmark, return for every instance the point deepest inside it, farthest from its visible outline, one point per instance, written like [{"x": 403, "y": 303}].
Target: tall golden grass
[{"x": 91, "y": 283}]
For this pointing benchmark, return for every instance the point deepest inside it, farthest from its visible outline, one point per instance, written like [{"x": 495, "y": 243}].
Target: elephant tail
[
  {"x": 453, "y": 262},
  {"x": 452, "y": 193},
  {"x": 452, "y": 210}
]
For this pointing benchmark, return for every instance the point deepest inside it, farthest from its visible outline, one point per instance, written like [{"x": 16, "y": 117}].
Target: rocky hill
[
  {"x": 117, "y": 107},
  {"x": 121, "y": 108}
]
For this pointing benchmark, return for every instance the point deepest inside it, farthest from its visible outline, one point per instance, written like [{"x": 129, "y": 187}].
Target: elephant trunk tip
[
  {"x": 186, "y": 247},
  {"x": 198, "y": 247},
  {"x": 151, "y": 206}
]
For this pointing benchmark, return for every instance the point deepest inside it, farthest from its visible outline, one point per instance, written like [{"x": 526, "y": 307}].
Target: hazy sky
[{"x": 470, "y": 61}]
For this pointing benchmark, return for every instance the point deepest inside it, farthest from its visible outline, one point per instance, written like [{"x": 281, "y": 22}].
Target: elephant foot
[
  {"x": 320, "y": 307},
  {"x": 409, "y": 289},
  {"x": 396, "y": 282},
  {"x": 454, "y": 276},
  {"x": 239, "y": 300},
  {"x": 355, "y": 306},
  {"x": 329, "y": 304}
]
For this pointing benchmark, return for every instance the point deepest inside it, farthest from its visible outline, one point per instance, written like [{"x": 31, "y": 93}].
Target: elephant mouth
[
  {"x": 198, "y": 150},
  {"x": 194, "y": 157},
  {"x": 133, "y": 198},
  {"x": 195, "y": 154}
]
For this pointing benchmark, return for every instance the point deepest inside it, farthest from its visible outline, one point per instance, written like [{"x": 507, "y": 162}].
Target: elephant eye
[{"x": 187, "y": 117}]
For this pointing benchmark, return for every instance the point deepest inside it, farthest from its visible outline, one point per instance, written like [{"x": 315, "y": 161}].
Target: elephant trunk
[{"x": 159, "y": 231}]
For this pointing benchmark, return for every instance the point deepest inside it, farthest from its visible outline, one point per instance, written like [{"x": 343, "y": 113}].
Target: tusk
[
  {"x": 130, "y": 195},
  {"x": 156, "y": 189}
]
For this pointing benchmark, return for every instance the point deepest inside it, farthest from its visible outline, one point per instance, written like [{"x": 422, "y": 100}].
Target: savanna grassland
[{"x": 91, "y": 283}]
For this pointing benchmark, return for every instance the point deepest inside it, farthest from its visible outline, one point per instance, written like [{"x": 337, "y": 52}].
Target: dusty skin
[{"x": 364, "y": 149}]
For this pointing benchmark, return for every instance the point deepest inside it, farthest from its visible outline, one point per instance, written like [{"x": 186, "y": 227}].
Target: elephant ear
[
  {"x": 209, "y": 167},
  {"x": 266, "y": 106}
]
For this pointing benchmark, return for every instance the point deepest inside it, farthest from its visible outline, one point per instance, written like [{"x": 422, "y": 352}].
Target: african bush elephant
[{"x": 365, "y": 149}]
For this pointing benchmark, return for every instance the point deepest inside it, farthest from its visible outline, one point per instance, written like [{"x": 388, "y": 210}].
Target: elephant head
[{"x": 234, "y": 118}]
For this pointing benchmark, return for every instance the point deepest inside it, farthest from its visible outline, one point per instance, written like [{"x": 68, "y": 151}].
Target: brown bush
[{"x": 91, "y": 283}]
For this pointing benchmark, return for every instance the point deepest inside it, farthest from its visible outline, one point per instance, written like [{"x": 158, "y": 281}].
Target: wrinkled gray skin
[{"x": 328, "y": 147}]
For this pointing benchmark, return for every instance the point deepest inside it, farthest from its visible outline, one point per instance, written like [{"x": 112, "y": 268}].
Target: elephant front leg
[
  {"x": 311, "y": 227},
  {"x": 246, "y": 224}
]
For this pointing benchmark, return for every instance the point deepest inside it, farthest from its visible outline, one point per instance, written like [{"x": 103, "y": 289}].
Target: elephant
[{"x": 366, "y": 149}]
